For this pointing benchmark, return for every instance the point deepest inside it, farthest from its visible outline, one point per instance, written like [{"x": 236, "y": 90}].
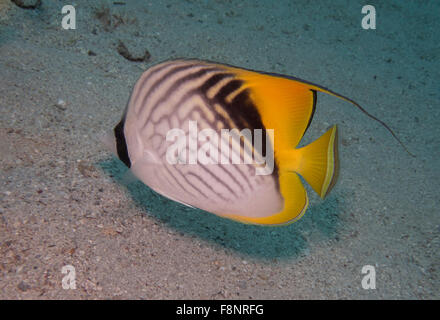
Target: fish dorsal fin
[
  {"x": 284, "y": 105},
  {"x": 357, "y": 105},
  {"x": 270, "y": 89}
]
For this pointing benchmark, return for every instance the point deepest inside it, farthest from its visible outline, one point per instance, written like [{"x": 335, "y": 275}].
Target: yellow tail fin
[{"x": 317, "y": 162}]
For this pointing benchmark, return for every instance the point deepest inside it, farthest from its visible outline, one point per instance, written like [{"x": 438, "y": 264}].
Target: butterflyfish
[{"x": 225, "y": 140}]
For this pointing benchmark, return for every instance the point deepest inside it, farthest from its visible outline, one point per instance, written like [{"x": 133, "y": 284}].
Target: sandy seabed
[{"x": 64, "y": 200}]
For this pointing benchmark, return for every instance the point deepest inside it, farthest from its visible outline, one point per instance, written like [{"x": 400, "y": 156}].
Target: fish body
[{"x": 172, "y": 136}]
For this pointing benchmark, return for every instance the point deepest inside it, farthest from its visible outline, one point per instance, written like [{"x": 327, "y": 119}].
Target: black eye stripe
[{"x": 121, "y": 144}]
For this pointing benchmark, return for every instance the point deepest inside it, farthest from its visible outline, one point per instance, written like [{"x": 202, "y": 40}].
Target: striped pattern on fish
[{"x": 168, "y": 96}]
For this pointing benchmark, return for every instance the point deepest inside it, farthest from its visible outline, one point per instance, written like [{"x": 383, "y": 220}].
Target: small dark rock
[
  {"x": 123, "y": 51},
  {"x": 27, "y": 4}
]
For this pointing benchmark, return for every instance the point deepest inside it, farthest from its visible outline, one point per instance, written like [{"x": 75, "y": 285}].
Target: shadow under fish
[{"x": 253, "y": 241}]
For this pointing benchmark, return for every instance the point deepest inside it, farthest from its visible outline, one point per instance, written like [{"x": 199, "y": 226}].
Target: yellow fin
[
  {"x": 284, "y": 105},
  {"x": 317, "y": 162},
  {"x": 295, "y": 203},
  {"x": 273, "y": 92}
]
